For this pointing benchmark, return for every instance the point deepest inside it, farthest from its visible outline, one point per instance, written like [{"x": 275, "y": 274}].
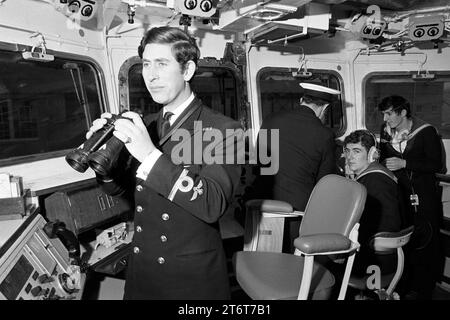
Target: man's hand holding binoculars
[{"x": 132, "y": 133}]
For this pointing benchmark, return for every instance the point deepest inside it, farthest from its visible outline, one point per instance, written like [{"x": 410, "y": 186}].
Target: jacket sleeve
[
  {"x": 429, "y": 159},
  {"x": 204, "y": 190},
  {"x": 328, "y": 164}
]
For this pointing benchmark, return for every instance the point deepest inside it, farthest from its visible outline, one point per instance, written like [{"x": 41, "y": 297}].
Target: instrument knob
[{"x": 37, "y": 291}]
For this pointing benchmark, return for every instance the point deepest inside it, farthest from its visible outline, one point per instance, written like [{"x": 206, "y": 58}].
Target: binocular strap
[{"x": 179, "y": 124}]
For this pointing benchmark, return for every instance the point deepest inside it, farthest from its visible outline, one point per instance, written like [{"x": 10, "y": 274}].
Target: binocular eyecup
[{"x": 100, "y": 151}]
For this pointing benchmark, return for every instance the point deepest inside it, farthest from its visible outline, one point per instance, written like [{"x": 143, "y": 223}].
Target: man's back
[
  {"x": 381, "y": 214},
  {"x": 306, "y": 153},
  {"x": 382, "y": 209}
]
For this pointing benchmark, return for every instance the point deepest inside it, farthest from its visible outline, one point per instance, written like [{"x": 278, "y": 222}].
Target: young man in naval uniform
[
  {"x": 177, "y": 247},
  {"x": 307, "y": 153},
  {"x": 412, "y": 149},
  {"x": 382, "y": 208}
]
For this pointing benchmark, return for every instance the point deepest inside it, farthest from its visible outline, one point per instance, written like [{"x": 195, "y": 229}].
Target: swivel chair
[
  {"x": 264, "y": 224},
  {"x": 384, "y": 243},
  {"x": 329, "y": 227}
]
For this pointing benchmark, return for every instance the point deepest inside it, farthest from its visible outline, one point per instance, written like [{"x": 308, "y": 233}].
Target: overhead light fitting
[{"x": 266, "y": 14}]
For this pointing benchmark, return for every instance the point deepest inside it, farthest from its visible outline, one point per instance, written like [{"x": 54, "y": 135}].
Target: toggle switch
[{"x": 44, "y": 278}]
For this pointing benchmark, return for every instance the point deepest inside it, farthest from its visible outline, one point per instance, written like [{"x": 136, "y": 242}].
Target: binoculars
[{"x": 100, "y": 151}]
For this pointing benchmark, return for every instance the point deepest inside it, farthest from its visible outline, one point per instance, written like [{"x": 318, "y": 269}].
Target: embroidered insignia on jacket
[
  {"x": 197, "y": 190},
  {"x": 186, "y": 184}
]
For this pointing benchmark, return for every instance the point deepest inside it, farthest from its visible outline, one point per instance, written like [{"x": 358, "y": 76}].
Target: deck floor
[{"x": 102, "y": 287}]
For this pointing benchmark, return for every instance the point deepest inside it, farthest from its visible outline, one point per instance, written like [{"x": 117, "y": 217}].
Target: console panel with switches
[{"x": 34, "y": 266}]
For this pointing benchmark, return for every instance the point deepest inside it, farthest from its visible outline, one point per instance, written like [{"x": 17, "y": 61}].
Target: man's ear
[
  {"x": 403, "y": 113},
  {"x": 189, "y": 70}
]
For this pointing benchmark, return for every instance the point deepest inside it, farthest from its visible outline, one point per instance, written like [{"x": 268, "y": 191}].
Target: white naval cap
[{"x": 315, "y": 90}]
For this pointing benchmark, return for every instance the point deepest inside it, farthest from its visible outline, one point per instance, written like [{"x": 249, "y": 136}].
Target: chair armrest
[
  {"x": 283, "y": 214},
  {"x": 273, "y": 208},
  {"x": 325, "y": 243},
  {"x": 265, "y": 205}
]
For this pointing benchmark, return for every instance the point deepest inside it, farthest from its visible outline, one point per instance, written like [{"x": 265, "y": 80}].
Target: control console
[{"x": 36, "y": 267}]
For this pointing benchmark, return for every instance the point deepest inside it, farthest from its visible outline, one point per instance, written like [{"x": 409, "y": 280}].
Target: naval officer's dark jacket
[
  {"x": 177, "y": 247},
  {"x": 306, "y": 154}
]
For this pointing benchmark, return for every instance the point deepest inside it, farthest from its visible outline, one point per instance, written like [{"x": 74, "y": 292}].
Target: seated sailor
[{"x": 382, "y": 209}]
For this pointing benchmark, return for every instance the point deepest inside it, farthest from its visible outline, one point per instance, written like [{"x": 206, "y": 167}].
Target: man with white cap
[
  {"x": 318, "y": 98},
  {"x": 306, "y": 153}
]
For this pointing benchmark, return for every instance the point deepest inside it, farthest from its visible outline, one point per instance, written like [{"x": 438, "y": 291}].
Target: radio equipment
[
  {"x": 35, "y": 267},
  {"x": 85, "y": 209}
]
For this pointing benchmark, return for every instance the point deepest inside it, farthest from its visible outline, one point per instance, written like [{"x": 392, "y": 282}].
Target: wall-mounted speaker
[
  {"x": 373, "y": 30},
  {"x": 426, "y": 28},
  {"x": 83, "y": 10},
  {"x": 196, "y": 8}
]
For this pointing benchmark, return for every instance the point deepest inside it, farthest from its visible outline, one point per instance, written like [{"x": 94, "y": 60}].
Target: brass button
[
  {"x": 136, "y": 250},
  {"x": 163, "y": 238},
  {"x": 139, "y": 188},
  {"x": 139, "y": 209},
  {"x": 139, "y": 229},
  {"x": 165, "y": 216},
  {"x": 161, "y": 260}
]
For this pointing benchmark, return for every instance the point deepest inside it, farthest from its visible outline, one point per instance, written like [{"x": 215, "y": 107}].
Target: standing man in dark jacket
[
  {"x": 180, "y": 189},
  {"x": 411, "y": 148},
  {"x": 306, "y": 153}
]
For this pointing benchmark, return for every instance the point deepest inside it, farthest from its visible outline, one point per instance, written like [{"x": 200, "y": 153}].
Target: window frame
[
  {"x": 208, "y": 62},
  {"x": 392, "y": 73},
  {"x": 100, "y": 84},
  {"x": 339, "y": 132}
]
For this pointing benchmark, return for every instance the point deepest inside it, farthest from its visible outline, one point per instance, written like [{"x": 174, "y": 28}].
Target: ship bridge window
[
  {"x": 279, "y": 90},
  {"x": 215, "y": 86},
  {"x": 429, "y": 99},
  {"x": 45, "y": 107}
]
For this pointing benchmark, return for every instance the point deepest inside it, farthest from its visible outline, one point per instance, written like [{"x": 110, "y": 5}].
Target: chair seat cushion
[{"x": 277, "y": 276}]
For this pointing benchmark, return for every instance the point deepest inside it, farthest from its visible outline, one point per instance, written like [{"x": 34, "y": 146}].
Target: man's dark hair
[
  {"x": 184, "y": 47},
  {"x": 366, "y": 138},
  {"x": 397, "y": 103}
]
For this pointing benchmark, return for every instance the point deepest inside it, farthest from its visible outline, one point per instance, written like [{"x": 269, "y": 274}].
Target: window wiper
[{"x": 80, "y": 91}]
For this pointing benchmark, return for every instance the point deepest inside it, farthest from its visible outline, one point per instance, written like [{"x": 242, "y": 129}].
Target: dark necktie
[{"x": 165, "y": 124}]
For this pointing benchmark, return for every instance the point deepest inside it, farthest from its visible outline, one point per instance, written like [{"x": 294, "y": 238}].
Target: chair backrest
[
  {"x": 335, "y": 206},
  {"x": 388, "y": 241}
]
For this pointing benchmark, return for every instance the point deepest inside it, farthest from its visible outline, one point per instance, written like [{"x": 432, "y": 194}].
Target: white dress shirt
[{"x": 150, "y": 160}]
